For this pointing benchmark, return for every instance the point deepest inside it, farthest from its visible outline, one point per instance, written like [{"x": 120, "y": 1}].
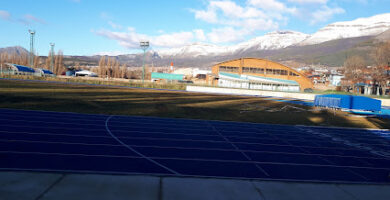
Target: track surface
[{"x": 84, "y": 143}]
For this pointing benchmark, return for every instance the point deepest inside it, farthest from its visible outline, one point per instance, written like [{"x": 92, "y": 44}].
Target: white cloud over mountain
[{"x": 230, "y": 22}]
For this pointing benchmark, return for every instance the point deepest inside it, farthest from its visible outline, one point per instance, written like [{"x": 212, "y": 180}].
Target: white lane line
[
  {"x": 135, "y": 151},
  {"x": 201, "y": 160},
  {"x": 191, "y": 148},
  {"x": 242, "y": 152},
  {"x": 221, "y": 142},
  {"x": 201, "y": 135}
]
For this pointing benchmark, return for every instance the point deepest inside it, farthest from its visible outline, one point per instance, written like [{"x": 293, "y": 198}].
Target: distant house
[
  {"x": 86, "y": 73},
  {"x": 15, "y": 69},
  {"x": 335, "y": 79}
]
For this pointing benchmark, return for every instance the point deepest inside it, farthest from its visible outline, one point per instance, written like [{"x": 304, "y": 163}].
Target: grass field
[{"x": 175, "y": 104}]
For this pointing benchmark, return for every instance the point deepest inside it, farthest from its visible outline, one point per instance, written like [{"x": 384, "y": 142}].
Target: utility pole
[
  {"x": 144, "y": 45},
  {"x": 52, "y": 57},
  {"x": 32, "y": 33}
]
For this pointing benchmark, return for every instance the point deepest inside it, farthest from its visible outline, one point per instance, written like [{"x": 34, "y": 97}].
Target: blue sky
[{"x": 88, "y": 27}]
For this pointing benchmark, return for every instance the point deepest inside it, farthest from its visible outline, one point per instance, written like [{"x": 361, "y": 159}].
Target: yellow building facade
[{"x": 254, "y": 73}]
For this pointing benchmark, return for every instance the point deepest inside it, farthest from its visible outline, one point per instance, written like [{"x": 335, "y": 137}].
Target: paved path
[{"x": 48, "y": 186}]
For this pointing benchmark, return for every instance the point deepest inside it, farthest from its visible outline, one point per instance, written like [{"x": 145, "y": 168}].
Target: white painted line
[
  {"x": 192, "y": 148},
  {"x": 243, "y": 153},
  {"x": 202, "y": 160},
  {"x": 135, "y": 151}
]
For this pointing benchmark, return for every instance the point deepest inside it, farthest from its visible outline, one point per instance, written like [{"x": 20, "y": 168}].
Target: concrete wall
[{"x": 302, "y": 96}]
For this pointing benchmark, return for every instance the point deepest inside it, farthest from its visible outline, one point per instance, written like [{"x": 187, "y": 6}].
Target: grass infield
[{"x": 175, "y": 104}]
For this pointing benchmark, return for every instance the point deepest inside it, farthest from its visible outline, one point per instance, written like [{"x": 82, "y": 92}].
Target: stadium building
[{"x": 254, "y": 73}]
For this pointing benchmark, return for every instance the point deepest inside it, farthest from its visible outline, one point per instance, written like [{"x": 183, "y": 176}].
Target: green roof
[
  {"x": 231, "y": 75},
  {"x": 156, "y": 75}
]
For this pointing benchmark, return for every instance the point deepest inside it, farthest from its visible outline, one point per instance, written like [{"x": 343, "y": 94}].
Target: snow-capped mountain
[
  {"x": 370, "y": 26},
  {"x": 357, "y": 28},
  {"x": 270, "y": 41},
  {"x": 273, "y": 40}
]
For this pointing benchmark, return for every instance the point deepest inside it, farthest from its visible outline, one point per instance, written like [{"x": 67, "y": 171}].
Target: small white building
[
  {"x": 86, "y": 73},
  {"x": 335, "y": 79}
]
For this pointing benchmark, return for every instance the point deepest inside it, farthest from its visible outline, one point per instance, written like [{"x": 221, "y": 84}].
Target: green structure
[{"x": 166, "y": 76}]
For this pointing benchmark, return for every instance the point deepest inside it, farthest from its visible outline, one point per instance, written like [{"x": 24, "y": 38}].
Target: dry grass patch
[{"x": 125, "y": 101}]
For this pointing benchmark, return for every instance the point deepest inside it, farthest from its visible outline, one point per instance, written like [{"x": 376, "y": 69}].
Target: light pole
[
  {"x": 52, "y": 57},
  {"x": 32, "y": 33},
  {"x": 144, "y": 45}
]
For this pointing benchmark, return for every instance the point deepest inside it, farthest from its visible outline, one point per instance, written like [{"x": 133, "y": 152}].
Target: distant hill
[
  {"x": 331, "y": 53},
  {"x": 385, "y": 36},
  {"x": 14, "y": 50}
]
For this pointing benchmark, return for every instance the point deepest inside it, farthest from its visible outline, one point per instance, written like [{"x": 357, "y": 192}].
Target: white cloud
[
  {"x": 28, "y": 19},
  {"x": 309, "y": 1},
  {"x": 229, "y": 8},
  {"x": 209, "y": 15},
  {"x": 241, "y": 20},
  {"x": 114, "y": 25},
  {"x": 105, "y": 16},
  {"x": 131, "y": 38},
  {"x": 324, "y": 14},
  {"x": 271, "y": 5},
  {"x": 32, "y": 18},
  {"x": 199, "y": 35},
  {"x": 5, "y": 15},
  {"x": 232, "y": 21},
  {"x": 173, "y": 40},
  {"x": 226, "y": 34},
  {"x": 259, "y": 24},
  {"x": 110, "y": 53}
]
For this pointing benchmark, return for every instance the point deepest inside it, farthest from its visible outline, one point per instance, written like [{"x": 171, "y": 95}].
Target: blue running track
[{"x": 103, "y": 144}]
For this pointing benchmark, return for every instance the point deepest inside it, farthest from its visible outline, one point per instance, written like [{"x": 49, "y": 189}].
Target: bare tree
[
  {"x": 381, "y": 56},
  {"x": 354, "y": 70},
  {"x": 102, "y": 64},
  {"x": 58, "y": 63},
  {"x": 37, "y": 61}
]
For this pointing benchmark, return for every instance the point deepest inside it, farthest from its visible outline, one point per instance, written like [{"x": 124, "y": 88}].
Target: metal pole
[
  {"x": 144, "y": 45},
  {"x": 52, "y": 57},
  {"x": 143, "y": 68},
  {"x": 32, "y": 32}
]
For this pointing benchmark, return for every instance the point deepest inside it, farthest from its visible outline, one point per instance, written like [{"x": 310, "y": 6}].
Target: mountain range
[
  {"x": 361, "y": 27},
  {"x": 330, "y": 45}
]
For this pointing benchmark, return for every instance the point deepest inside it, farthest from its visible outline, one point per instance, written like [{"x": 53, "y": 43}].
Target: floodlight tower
[
  {"x": 52, "y": 57},
  {"x": 32, "y": 33},
  {"x": 144, "y": 45}
]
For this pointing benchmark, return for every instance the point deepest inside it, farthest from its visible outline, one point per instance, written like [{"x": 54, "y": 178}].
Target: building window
[
  {"x": 254, "y": 70},
  {"x": 293, "y": 74},
  {"x": 276, "y": 71},
  {"x": 228, "y": 69},
  {"x": 246, "y": 70}
]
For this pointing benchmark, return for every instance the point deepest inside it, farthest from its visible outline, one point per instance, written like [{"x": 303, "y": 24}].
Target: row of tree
[
  {"x": 39, "y": 62},
  {"x": 357, "y": 71},
  {"x": 108, "y": 67},
  {"x": 111, "y": 68}
]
